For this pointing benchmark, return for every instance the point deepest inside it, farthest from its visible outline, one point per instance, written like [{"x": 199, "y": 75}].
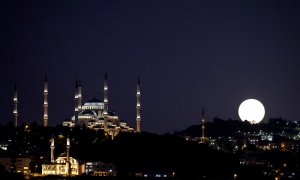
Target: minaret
[
  {"x": 15, "y": 112},
  {"x": 68, "y": 157},
  {"x": 52, "y": 149},
  {"x": 79, "y": 97},
  {"x": 68, "y": 149},
  {"x": 76, "y": 103},
  {"x": 138, "y": 106},
  {"x": 202, "y": 139},
  {"x": 45, "y": 102},
  {"x": 105, "y": 110}
]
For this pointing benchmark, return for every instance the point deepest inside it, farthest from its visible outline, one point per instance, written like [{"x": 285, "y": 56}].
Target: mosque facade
[
  {"x": 96, "y": 115},
  {"x": 64, "y": 165}
]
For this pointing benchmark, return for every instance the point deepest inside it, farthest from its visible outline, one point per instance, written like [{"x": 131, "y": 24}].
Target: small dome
[{"x": 63, "y": 155}]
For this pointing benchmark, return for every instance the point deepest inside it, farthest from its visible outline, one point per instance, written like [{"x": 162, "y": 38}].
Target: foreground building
[
  {"x": 64, "y": 165},
  {"x": 100, "y": 169},
  {"x": 18, "y": 164}
]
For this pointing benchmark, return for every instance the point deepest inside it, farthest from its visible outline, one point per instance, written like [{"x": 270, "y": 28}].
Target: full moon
[{"x": 251, "y": 110}]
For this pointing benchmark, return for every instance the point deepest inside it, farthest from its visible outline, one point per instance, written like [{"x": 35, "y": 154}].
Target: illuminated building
[
  {"x": 94, "y": 113},
  {"x": 45, "y": 102},
  {"x": 15, "y": 100},
  {"x": 18, "y": 165},
  {"x": 3, "y": 146},
  {"x": 100, "y": 169},
  {"x": 22, "y": 165},
  {"x": 64, "y": 165}
]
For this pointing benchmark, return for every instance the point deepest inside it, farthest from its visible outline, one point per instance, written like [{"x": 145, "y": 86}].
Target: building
[
  {"x": 91, "y": 115},
  {"x": 96, "y": 115},
  {"x": 18, "y": 164},
  {"x": 64, "y": 165},
  {"x": 22, "y": 165},
  {"x": 100, "y": 169}
]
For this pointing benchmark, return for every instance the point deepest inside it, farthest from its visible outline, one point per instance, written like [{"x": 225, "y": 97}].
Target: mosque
[
  {"x": 94, "y": 113},
  {"x": 64, "y": 165}
]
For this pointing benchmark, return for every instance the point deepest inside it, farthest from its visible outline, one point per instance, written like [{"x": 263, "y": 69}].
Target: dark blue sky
[{"x": 189, "y": 54}]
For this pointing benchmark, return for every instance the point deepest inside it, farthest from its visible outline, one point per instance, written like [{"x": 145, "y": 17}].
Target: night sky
[{"x": 189, "y": 55}]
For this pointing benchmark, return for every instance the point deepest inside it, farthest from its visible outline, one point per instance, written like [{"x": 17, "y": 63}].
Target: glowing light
[
  {"x": 251, "y": 110},
  {"x": 68, "y": 142},
  {"x": 52, "y": 142}
]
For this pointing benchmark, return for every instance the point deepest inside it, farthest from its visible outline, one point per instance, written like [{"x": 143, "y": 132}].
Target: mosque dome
[
  {"x": 88, "y": 112},
  {"x": 63, "y": 154},
  {"x": 93, "y": 102}
]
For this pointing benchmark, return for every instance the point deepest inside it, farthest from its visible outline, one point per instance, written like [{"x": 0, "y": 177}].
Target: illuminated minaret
[
  {"x": 138, "y": 106},
  {"x": 52, "y": 149},
  {"x": 79, "y": 97},
  {"x": 105, "y": 109},
  {"x": 202, "y": 139},
  {"x": 45, "y": 102},
  {"x": 68, "y": 148},
  {"x": 15, "y": 112},
  {"x": 76, "y": 103},
  {"x": 68, "y": 157}
]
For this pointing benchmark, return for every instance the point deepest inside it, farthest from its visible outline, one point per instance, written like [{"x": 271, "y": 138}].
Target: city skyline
[{"x": 189, "y": 55}]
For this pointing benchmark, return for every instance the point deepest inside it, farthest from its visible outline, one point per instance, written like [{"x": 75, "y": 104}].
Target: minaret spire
[
  {"x": 105, "y": 109},
  {"x": 68, "y": 146},
  {"x": 45, "y": 102},
  {"x": 15, "y": 100},
  {"x": 79, "y": 97},
  {"x": 52, "y": 147},
  {"x": 202, "y": 139},
  {"x": 76, "y": 102},
  {"x": 138, "y": 106}
]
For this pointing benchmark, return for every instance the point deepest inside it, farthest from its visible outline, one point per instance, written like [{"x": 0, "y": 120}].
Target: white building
[
  {"x": 95, "y": 113},
  {"x": 64, "y": 165}
]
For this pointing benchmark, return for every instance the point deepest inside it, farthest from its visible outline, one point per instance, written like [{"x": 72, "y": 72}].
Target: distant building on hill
[{"x": 95, "y": 114}]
